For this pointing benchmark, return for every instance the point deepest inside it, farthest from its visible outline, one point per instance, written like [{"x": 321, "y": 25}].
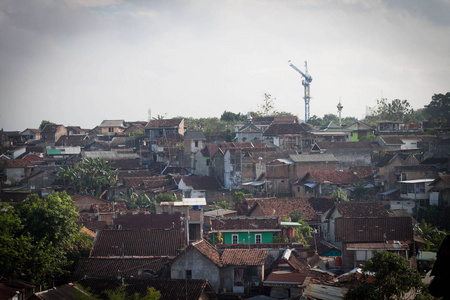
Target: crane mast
[{"x": 305, "y": 82}]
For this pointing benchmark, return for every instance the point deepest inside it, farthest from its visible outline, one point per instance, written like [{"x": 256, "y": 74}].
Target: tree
[
  {"x": 139, "y": 201},
  {"x": 39, "y": 237},
  {"x": 122, "y": 293},
  {"x": 230, "y": 117},
  {"x": 315, "y": 121},
  {"x": 330, "y": 118},
  {"x": 392, "y": 279},
  {"x": 45, "y": 123},
  {"x": 301, "y": 233},
  {"x": 432, "y": 235},
  {"x": 90, "y": 176},
  {"x": 439, "y": 107},
  {"x": 221, "y": 204},
  {"x": 164, "y": 197},
  {"x": 238, "y": 198},
  {"x": 360, "y": 192},
  {"x": 267, "y": 107},
  {"x": 339, "y": 194},
  {"x": 396, "y": 110}
]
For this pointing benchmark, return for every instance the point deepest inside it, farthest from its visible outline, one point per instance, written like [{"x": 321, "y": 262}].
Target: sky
[{"x": 79, "y": 62}]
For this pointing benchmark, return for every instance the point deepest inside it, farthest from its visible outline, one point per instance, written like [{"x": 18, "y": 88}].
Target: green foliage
[
  {"x": 439, "y": 107},
  {"x": 222, "y": 204},
  {"x": 121, "y": 294},
  {"x": 315, "y": 121},
  {"x": 432, "y": 235},
  {"x": 296, "y": 215},
  {"x": 301, "y": 233},
  {"x": 360, "y": 192},
  {"x": 392, "y": 279},
  {"x": 339, "y": 194},
  {"x": 238, "y": 198},
  {"x": 138, "y": 201},
  {"x": 45, "y": 123},
  {"x": 368, "y": 138},
  {"x": 327, "y": 118},
  {"x": 219, "y": 240},
  {"x": 208, "y": 126},
  {"x": 163, "y": 197},
  {"x": 136, "y": 133},
  {"x": 396, "y": 110},
  {"x": 90, "y": 176},
  {"x": 230, "y": 117},
  {"x": 38, "y": 236}
]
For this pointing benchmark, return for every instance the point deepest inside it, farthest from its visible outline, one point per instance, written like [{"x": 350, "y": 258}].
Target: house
[
  {"x": 85, "y": 202},
  {"x": 40, "y": 179},
  {"x": 362, "y": 237},
  {"x": 351, "y": 209},
  {"x": 397, "y": 127},
  {"x": 286, "y": 135},
  {"x": 331, "y": 133},
  {"x": 249, "y": 132},
  {"x": 138, "y": 243},
  {"x": 359, "y": 130},
  {"x": 30, "y": 134},
  {"x": 386, "y": 177},
  {"x": 17, "y": 169},
  {"x": 161, "y": 128},
  {"x": 108, "y": 211},
  {"x": 323, "y": 183},
  {"x": 283, "y": 207},
  {"x": 232, "y": 271},
  {"x": 349, "y": 154},
  {"x": 52, "y": 132},
  {"x": 248, "y": 230},
  {"x": 419, "y": 142},
  {"x": 417, "y": 190},
  {"x": 199, "y": 187},
  {"x": 112, "y": 127},
  {"x": 440, "y": 191},
  {"x": 304, "y": 163}
]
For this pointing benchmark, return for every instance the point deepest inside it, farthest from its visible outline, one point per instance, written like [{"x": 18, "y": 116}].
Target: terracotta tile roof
[
  {"x": 202, "y": 182},
  {"x": 126, "y": 164},
  {"x": 148, "y": 221},
  {"x": 73, "y": 140},
  {"x": 134, "y": 173},
  {"x": 281, "y": 277},
  {"x": 334, "y": 177},
  {"x": 207, "y": 250},
  {"x": 138, "y": 243},
  {"x": 244, "y": 257},
  {"x": 149, "y": 182},
  {"x": 170, "y": 289},
  {"x": 282, "y": 207},
  {"x": 284, "y": 129},
  {"x": 321, "y": 205},
  {"x": 352, "y": 230},
  {"x": 247, "y": 223},
  {"x": 163, "y": 123},
  {"x": 112, "y": 267},
  {"x": 18, "y": 163},
  {"x": 361, "y": 209},
  {"x": 285, "y": 119},
  {"x": 94, "y": 225},
  {"x": 50, "y": 128},
  {"x": 363, "y": 172},
  {"x": 33, "y": 158},
  {"x": 109, "y": 207}
]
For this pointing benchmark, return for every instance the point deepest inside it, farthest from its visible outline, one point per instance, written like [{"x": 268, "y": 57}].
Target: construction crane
[{"x": 305, "y": 82}]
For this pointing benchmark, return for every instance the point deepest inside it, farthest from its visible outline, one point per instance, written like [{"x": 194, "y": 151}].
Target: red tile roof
[
  {"x": 359, "y": 230},
  {"x": 321, "y": 205},
  {"x": 112, "y": 267},
  {"x": 109, "y": 207},
  {"x": 163, "y": 123},
  {"x": 138, "y": 243},
  {"x": 148, "y": 221},
  {"x": 18, "y": 163},
  {"x": 361, "y": 209},
  {"x": 202, "y": 182},
  {"x": 282, "y": 207},
  {"x": 207, "y": 250},
  {"x": 247, "y": 223},
  {"x": 334, "y": 177},
  {"x": 281, "y": 277},
  {"x": 244, "y": 257}
]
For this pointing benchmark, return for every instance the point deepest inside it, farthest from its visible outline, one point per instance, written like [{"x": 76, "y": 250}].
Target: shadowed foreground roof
[
  {"x": 170, "y": 289},
  {"x": 112, "y": 267},
  {"x": 244, "y": 257},
  {"x": 138, "y": 243}
]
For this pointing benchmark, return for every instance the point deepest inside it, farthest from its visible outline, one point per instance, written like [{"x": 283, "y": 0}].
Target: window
[
  {"x": 258, "y": 238},
  {"x": 196, "y": 143},
  {"x": 188, "y": 274},
  {"x": 234, "y": 239}
]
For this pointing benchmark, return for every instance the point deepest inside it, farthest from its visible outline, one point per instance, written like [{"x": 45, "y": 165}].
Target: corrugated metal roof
[{"x": 313, "y": 157}]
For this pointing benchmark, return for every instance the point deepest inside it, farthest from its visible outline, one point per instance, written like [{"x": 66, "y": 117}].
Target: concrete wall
[{"x": 201, "y": 267}]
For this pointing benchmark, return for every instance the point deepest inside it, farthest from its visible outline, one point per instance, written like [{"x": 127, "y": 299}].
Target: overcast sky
[{"x": 78, "y": 62}]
